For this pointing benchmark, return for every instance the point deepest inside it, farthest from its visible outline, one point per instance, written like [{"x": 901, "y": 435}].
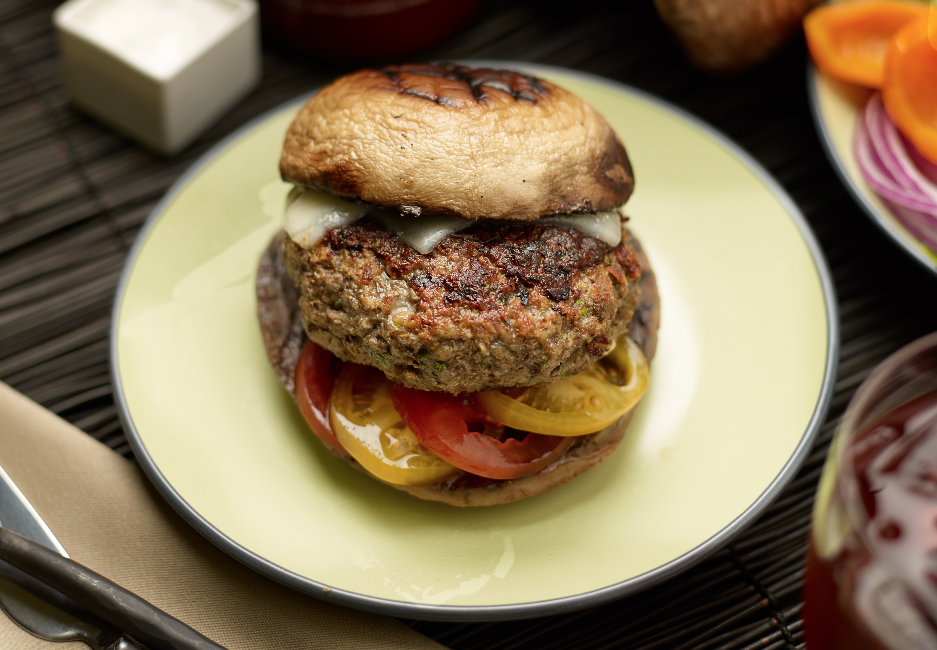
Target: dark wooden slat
[
  {"x": 75, "y": 362},
  {"x": 21, "y": 125},
  {"x": 65, "y": 248},
  {"x": 52, "y": 284},
  {"x": 51, "y": 348},
  {"x": 73, "y": 382},
  {"x": 70, "y": 306}
]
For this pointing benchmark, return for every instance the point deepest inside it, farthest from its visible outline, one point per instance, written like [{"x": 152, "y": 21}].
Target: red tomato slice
[
  {"x": 441, "y": 421},
  {"x": 315, "y": 379},
  {"x": 365, "y": 421}
]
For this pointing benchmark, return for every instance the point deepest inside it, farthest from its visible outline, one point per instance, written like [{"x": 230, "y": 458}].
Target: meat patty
[{"x": 493, "y": 306}]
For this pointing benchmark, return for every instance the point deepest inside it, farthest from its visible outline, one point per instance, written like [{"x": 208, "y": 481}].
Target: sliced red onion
[
  {"x": 871, "y": 119},
  {"x": 871, "y": 165},
  {"x": 893, "y": 169},
  {"x": 912, "y": 176},
  {"x": 878, "y": 178},
  {"x": 927, "y": 168},
  {"x": 922, "y": 228}
]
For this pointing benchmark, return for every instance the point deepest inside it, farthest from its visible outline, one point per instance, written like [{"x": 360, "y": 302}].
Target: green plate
[
  {"x": 739, "y": 388},
  {"x": 836, "y": 106}
]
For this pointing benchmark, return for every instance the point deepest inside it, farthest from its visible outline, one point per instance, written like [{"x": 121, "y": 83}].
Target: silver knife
[
  {"x": 18, "y": 515},
  {"x": 36, "y": 563}
]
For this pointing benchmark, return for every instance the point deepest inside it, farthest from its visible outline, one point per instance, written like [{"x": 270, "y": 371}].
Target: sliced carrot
[
  {"x": 848, "y": 40},
  {"x": 910, "y": 89}
]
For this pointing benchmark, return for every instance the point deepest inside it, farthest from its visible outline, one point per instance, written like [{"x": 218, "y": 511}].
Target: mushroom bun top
[{"x": 476, "y": 143}]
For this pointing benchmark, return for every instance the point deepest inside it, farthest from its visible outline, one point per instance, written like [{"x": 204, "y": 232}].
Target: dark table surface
[{"x": 73, "y": 196}]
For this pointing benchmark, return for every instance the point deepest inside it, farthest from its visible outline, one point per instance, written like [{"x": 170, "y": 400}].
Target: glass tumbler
[{"x": 871, "y": 581}]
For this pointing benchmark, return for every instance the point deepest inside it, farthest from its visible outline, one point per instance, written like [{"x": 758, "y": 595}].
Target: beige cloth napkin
[{"x": 109, "y": 517}]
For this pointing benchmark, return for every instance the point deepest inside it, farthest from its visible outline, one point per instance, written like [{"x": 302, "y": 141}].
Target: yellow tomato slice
[
  {"x": 584, "y": 403},
  {"x": 365, "y": 421}
]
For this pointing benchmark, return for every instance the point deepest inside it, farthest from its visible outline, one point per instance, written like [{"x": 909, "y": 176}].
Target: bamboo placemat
[{"x": 73, "y": 196}]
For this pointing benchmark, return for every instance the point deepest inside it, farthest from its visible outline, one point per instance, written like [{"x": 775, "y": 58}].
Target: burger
[{"x": 455, "y": 302}]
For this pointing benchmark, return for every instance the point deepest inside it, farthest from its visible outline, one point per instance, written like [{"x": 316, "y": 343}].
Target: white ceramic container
[{"x": 159, "y": 71}]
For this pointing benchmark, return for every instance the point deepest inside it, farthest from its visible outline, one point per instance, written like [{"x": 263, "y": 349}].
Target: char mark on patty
[{"x": 474, "y": 267}]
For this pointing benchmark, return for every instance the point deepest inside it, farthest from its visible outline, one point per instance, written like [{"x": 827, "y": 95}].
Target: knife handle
[{"x": 108, "y": 600}]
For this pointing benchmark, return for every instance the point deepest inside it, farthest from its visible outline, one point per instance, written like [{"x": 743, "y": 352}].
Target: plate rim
[
  {"x": 513, "y": 611},
  {"x": 852, "y": 184}
]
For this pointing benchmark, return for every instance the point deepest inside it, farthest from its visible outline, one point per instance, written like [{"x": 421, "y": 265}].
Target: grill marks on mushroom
[
  {"x": 450, "y": 140},
  {"x": 430, "y": 82}
]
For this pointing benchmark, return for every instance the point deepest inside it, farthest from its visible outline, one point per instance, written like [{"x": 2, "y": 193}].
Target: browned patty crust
[{"x": 495, "y": 305}]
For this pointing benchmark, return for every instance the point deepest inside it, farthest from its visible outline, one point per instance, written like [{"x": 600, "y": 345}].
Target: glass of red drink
[{"x": 871, "y": 581}]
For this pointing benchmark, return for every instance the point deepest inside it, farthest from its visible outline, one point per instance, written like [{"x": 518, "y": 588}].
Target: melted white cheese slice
[
  {"x": 312, "y": 213},
  {"x": 422, "y": 233},
  {"x": 601, "y": 225}
]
